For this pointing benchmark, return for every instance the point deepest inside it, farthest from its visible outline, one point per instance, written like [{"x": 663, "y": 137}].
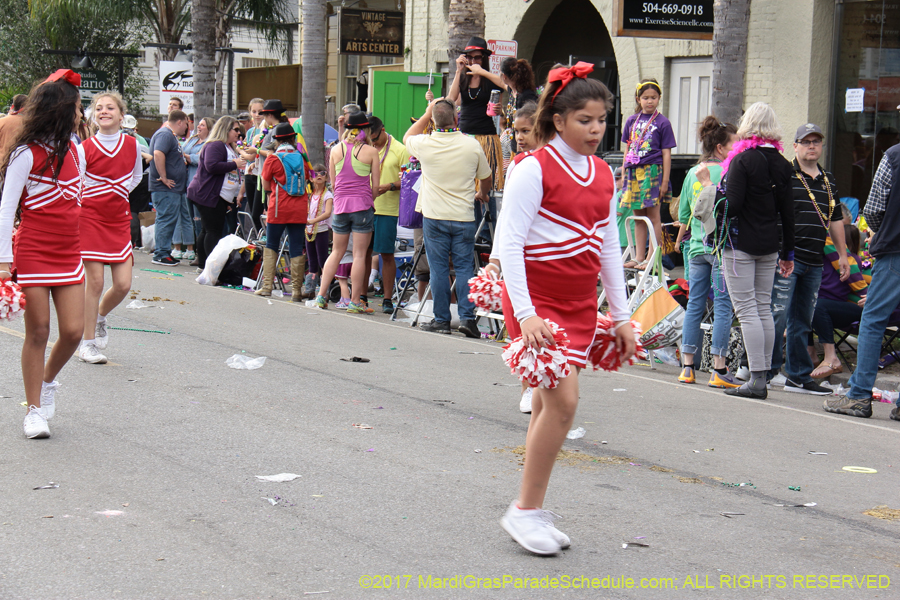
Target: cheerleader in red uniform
[
  {"x": 44, "y": 179},
  {"x": 113, "y": 169},
  {"x": 557, "y": 235}
]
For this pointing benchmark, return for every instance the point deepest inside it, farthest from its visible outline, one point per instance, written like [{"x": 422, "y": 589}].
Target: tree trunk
[
  {"x": 466, "y": 20},
  {"x": 730, "y": 34},
  {"x": 313, "y": 58},
  {"x": 203, "y": 39}
]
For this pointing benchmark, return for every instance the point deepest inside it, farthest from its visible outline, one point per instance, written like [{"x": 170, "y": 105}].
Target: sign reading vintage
[
  {"x": 686, "y": 20},
  {"x": 372, "y": 32}
]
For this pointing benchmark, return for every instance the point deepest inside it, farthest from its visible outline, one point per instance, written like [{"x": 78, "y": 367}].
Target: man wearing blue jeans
[
  {"x": 168, "y": 183},
  {"x": 817, "y": 213},
  {"x": 451, "y": 164},
  {"x": 882, "y": 212}
]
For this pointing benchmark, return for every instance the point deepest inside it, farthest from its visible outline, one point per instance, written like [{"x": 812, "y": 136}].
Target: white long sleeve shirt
[{"x": 524, "y": 194}]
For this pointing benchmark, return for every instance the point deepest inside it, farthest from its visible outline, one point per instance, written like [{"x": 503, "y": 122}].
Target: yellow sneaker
[
  {"x": 723, "y": 381},
  {"x": 687, "y": 375}
]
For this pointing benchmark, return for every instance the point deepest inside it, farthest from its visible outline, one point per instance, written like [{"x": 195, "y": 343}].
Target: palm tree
[
  {"x": 203, "y": 40},
  {"x": 730, "y": 33},
  {"x": 312, "y": 95},
  {"x": 466, "y": 20}
]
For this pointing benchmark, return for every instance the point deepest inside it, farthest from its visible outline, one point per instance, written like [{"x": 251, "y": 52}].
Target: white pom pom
[{"x": 543, "y": 366}]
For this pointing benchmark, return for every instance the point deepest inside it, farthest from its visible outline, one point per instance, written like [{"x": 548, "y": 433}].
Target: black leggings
[{"x": 213, "y": 220}]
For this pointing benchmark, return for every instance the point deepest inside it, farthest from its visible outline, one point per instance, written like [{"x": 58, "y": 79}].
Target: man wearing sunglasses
[
  {"x": 817, "y": 213},
  {"x": 392, "y": 155}
]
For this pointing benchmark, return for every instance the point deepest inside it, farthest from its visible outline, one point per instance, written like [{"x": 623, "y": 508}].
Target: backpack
[{"x": 294, "y": 173}]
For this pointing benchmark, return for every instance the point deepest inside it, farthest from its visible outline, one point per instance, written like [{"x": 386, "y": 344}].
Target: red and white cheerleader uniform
[
  {"x": 558, "y": 232},
  {"x": 48, "y": 247},
  {"x": 113, "y": 169}
]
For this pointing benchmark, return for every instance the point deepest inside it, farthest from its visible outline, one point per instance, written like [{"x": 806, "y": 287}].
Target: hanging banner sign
[
  {"x": 691, "y": 20},
  {"x": 371, "y": 32},
  {"x": 500, "y": 49},
  {"x": 176, "y": 80},
  {"x": 92, "y": 83}
]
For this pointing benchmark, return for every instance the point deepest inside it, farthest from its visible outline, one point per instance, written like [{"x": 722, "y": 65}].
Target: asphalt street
[{"x": 156, "y": 456}]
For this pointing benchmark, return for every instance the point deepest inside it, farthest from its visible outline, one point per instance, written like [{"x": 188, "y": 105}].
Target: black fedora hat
[
  {"x": 274, "y": 107},
  {"x": 283, "y": 130},
  {"x": 358, "y": 120},
  {"x": 477, "y": 43}
]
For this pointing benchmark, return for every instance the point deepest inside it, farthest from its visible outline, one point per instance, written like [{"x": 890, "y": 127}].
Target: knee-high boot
[
  {"x": 269, "y": 258},
  {"x": 298, "y": 270}
]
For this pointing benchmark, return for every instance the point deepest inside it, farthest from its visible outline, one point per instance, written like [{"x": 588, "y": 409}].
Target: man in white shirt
[{"x": 451, "y": 163}]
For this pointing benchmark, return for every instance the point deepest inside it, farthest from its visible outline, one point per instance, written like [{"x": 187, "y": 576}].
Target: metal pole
[{"x": 230, "y": 80}]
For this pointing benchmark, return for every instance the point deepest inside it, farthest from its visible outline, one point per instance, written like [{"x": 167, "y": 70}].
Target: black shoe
[
  {"x": 436, "y": 327},
  {"x": 810, "y": 387},
  {"x": 387, "y": 306},
  {"x": 850, "y": 406},
  {"x": 166, "y": 261},
  {"x": 895, "y": 413},
  {"x": 747, "y": 392},
  {"x": 470, "y": 329}
]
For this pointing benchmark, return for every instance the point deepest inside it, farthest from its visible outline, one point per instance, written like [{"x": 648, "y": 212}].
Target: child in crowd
[
  {"x": 648, "y": 164},
  {"x": 318, "y": 228},
  {"x": 562, "y": 198},
  {"x": 523, "y": 126},
  {"x": 43, "y": 178}
]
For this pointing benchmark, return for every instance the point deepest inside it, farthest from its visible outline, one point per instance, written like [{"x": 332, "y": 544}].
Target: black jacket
[{"x": 758, "y": 190}]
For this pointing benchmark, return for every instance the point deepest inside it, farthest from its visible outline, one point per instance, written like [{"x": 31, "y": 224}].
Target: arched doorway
[{"x": 572, "y": 31}]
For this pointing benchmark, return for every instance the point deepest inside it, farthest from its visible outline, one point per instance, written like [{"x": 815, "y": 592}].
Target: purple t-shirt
[{"x": 653, "y": 142}]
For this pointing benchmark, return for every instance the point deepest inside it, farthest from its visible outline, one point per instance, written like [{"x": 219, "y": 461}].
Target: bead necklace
[
  {"x": 446, "y": 129},
  {"x": 469, "y": 90},
  {"x": 812, "y": 198},
  {"x": 636, "y": 142},
  {"x": 320, "y": 208},
  {"x": 62, "y": 189}
]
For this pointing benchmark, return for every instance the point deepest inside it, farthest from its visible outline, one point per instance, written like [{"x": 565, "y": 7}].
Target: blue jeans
[
  {"x": 296, "y": 237},
  {"x": 782, "y": 292},
  {"x": 443, "y": 240},
  {"x": 184, "y": 228},
  {"x": 882, "y": 299},
  {"x": 831, "y": 314},
  {"x": 706, "y": 273},
  {"x": 806, "y": 281},
  {"x": 167, "y": 205}
]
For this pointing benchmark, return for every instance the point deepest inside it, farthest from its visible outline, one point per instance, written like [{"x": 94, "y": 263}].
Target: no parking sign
[{"x": 501, "y": 49}]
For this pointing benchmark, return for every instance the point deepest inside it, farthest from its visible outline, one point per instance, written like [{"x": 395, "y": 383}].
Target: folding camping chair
[
  {"x": 282, "y": 262},
  {"x": 888, "y": 352},
  {"x": 245, "y": 228}
]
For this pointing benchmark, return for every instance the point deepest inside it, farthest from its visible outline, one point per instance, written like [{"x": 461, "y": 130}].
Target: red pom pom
[
  {"x": 485, "y": 290},
  {"x": 12, "y": 300},
  {"x": 539, "y": 367},
  {"x": 603, "y": 354}
]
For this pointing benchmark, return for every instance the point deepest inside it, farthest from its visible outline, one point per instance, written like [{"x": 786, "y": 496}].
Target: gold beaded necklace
[{"x": 812, "y": 198}]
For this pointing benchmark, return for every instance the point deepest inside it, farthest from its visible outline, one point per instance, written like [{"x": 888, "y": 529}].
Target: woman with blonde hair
[
  {"x": 355, "y": 172},
  {"x": 217, "y": 183},
  {"x": 113, "y": 169},
  {"x": 755, "y": 190}
]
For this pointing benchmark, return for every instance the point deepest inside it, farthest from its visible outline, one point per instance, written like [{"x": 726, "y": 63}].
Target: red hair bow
[
  {"x": 567, "y": 74},
  {"x": 67, "y": 74}
]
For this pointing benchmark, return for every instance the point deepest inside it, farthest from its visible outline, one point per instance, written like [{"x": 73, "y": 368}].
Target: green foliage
[{"x": 25, "y": 31}]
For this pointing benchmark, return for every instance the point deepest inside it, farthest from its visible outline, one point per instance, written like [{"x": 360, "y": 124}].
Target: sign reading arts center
[
  {"x": 690, "y": 19},
  {"x": 371, "y": 32}
]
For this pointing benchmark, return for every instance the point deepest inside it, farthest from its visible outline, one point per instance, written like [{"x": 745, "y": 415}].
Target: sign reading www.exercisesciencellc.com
[{"x": 683, "y": 20}]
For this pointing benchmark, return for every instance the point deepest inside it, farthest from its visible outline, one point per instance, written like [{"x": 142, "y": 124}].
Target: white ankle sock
[{"x": 372, "y": 275}]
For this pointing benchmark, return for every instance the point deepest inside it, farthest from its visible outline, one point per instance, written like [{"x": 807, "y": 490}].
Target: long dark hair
[
  {"x": 574, "y": 96},
  {"x": 519, "y": 73},
  {"x": 49, "y": 117},
  {"x": 464, "y": 78}
]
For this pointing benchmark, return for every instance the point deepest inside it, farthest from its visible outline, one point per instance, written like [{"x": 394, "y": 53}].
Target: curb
[{"x": 881, "y": 382}]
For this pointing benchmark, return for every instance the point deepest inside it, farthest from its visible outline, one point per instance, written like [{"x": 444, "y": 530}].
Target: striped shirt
[{"x": 809, "y": 230}]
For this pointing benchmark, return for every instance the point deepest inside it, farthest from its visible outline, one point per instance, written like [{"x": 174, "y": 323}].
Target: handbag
[{"x": 659, "y": 314}]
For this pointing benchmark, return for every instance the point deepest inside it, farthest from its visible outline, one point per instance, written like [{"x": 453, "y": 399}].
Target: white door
[{"x": 691, "y": 81}]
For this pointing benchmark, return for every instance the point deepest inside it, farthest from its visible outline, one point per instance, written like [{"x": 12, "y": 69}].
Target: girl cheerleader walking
[
  {"x": 43, "y": 181},
  {"x": 561, "y": 223},
  {"x": 113, "y": 169},
  {"x": 648, "y": 163}
]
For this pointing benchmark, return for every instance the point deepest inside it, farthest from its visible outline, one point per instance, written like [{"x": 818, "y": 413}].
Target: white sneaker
[
  {"x": 101, "y": 336},
  {"x": 532, "y": 529},
  {"x": 36, "y": 424},
  {"x": 177, "y": 254},
  {"x": 48, "y": 399},
  {"x": 743, "y": 374},
  {"x": 90, "y": 354},
  {"x": 777, "y": 381},
  {"x": 525, "y": 402},
  {"x": 188, "y": 255}
]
